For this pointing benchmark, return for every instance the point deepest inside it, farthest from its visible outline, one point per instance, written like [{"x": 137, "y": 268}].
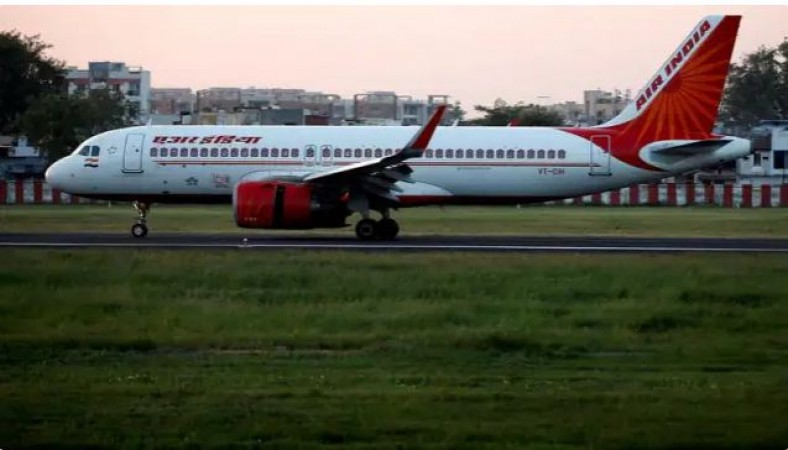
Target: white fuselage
[{"x": 203, "y": 163}]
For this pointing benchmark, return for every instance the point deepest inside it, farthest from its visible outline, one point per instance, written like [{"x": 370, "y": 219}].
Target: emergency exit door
[
  {"x": 132, "y": 153},
  {"x": 600, "y": 156}
]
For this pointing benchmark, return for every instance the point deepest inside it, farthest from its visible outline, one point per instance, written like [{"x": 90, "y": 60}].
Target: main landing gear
[
  {"x": 140, "y": 227},
  {"x": 385, "y": 229}
]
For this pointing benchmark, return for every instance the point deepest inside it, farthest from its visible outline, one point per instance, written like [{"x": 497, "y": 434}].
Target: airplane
[{"x": 303, "y": 177}]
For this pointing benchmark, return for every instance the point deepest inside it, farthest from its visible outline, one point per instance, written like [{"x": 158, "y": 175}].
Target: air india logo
[{"x": 675, "y": 63}]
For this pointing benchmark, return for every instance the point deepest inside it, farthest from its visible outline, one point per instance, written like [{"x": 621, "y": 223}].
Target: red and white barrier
[
  {"x": 666, "y": 194},
  {"x": 35, "y": 191},
  {"x": 688, "y": 194}
]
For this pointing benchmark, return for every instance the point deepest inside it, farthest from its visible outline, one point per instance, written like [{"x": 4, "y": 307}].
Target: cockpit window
[
  {"x": 95, "y": 150},
  {"x": 85, "y": 151}
]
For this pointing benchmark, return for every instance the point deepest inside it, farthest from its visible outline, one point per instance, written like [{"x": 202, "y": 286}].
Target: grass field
[
  {"x": 187, "y": 349},
  {"x": 533, "y": 220}
]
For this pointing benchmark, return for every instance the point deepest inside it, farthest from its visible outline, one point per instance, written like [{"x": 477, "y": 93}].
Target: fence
[
  {"x": 35, "y": 192},
  {"x": 688, "y": 194},
  {"x": 667, "y": 194}
]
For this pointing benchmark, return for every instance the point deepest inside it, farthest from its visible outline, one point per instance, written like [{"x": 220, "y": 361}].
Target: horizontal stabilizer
[{"x": 688, "y": 148}]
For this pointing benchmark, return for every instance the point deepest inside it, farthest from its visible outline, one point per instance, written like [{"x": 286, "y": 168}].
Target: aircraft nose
[{"x": 55, "y": 175}]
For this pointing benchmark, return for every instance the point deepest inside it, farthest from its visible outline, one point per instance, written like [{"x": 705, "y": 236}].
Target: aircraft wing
[{"x": 414, "y": 149}]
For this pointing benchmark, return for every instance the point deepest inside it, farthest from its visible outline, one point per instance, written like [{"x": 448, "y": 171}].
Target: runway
[{"x": 572, "y": 244}]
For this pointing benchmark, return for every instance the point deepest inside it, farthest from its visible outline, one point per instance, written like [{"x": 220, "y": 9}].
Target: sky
[{"x": 475, "y": 54}]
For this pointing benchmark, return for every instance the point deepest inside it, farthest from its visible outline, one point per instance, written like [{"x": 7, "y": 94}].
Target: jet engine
[{"x": 287, "y": 205}]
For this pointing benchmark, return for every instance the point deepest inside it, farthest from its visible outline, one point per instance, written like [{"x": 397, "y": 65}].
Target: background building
[
  {"x": 172, "y": 101},
  {"x": 274, "y": 106},
  {"x": 19, "y": 159},
  {"x": 768, "y": 163},
  {"x": 598, "y": 107},
  {"x": 132, "y": 82},
  {"x": 601, "y": 106}
]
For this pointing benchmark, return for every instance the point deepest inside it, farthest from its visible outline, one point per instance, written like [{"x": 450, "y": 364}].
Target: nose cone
[{"x": 55, "y": 175}]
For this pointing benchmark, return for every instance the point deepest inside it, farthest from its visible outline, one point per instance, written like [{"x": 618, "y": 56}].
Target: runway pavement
[{"x": 578, "y": 244}]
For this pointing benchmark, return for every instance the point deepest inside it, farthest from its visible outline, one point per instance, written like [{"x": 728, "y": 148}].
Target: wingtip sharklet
[{"x": 422, "y": 138}]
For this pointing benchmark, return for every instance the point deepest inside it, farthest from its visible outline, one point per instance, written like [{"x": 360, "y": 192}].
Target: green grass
[
  {"x": 188, "y": 349},
  {"x": 533, "y": 220}
]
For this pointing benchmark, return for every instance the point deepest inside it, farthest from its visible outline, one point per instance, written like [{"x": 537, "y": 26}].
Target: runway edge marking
[{"x": 552, "y": 248}]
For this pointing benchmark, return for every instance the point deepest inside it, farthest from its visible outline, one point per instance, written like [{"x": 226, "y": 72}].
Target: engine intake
[{"x": 283, "y": 205}]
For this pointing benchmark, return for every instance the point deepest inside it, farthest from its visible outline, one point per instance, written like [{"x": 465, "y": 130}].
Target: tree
[
  {"x": 57, "y": 123},
  {"x": 502, "y": 114},
  {"x": 757, "y": 88},
  {"x": 25, "y": 73},
  {"x": 455, "y": 112}
]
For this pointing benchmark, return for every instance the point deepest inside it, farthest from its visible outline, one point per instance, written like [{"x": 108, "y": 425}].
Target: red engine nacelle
[{"x": 267, "y": 204}]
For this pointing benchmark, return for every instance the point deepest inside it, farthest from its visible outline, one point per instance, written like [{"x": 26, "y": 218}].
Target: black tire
[
  {"x": 367, "y": 229},
  {"x": 388, "y": 229},
  {"x": 139, "y": 230}
]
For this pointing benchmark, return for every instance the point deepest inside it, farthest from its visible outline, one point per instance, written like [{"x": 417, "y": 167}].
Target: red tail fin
[{"x": 681, "y": 100}]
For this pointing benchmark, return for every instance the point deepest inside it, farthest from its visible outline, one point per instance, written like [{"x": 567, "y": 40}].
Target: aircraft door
[
  {"x": 326, "y": 155},
  {"x": 310, "y": 155},
  {"x": 132, "y": 153},
  {"x": 600, "y": 156}
]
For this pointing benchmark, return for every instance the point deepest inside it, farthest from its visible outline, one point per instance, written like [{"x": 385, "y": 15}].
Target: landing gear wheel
[
  {"x": 139, "y": 230},
  {"x": 387, "y": 229},
  {"x": 367, "y": 229}
]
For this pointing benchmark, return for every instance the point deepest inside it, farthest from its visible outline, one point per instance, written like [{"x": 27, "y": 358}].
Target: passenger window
[
  {"x": 94, "y": 151},
  {"x": 348, "y": 153},
  {"x": 194, "y": 152},
  {"x": 540, "y": 154},
  {"x": 154, "y": 152},
  {"x": 490, "y": 154},
  {"x": 387, "y": 152},
  {"x": 428, "y": 153},
  {"x": 510, "y": 154},
  {"x": 203, "y": 152},
  {"x": 439, "y": 153},
  {"x": 479, "y": 154},
  {"x": 326, "y": 152},
  {"x": 531, "y": 154},
  {"x": 173, "y": 153},
  {"x": 499, "y": 154},
  {"x": 234, "y": 153},
  {"x": 184, "y": 152},
  {"x": 458, "y": 153},
  {"x": 274, "y": 153},
  {"x": 224, "y": 153},
  {"x": 450, "y": 153},
  {"x": 357, "y": 153},
  {"x": 551, "y": 154},
  {"x": 255, "y": 153},
  {"x": 295, "y": 152},
  {"x": 561, "y": 154},
  {"x": 520, "y": 154},
  {"x": 469, "y": 154},
  {"x": 310, "y": 152},
  {"x": 367, "y": 153},
  {"x": 378, "y": 153},
  {"x": 337, "y": 153},
  {"x": 84, "y": 151},
  {"x": 264, "y": 153},
  {"x": 285, "y": 153},
  {"x": 244, "y": 153},
  {"x": 214, "y": 152}
]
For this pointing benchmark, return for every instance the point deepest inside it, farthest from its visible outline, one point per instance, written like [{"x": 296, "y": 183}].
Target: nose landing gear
[{"x": 140, "y": 227}]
